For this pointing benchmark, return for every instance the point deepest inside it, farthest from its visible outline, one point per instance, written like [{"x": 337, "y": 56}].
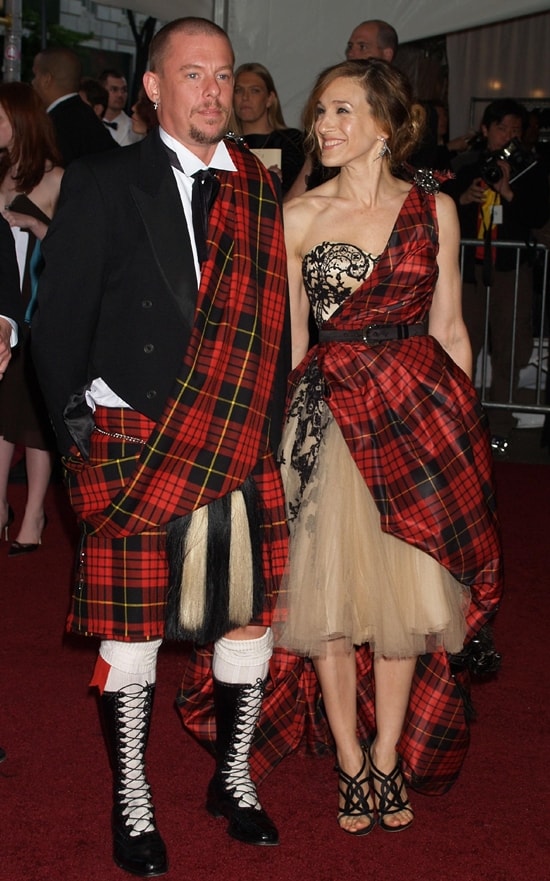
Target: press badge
[{"x": 497, "y": 214}]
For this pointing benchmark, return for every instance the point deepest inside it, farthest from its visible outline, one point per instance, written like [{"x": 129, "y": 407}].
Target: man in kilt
[{"x": 161, "y": 343}]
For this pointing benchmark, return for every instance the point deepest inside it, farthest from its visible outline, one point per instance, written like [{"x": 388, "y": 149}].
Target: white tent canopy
[
  {"x": 296, "y": 39},
  {"x": 414, "y": 19}
]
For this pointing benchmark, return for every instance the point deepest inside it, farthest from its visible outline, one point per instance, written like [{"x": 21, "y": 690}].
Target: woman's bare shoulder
[{"x": 309, "y": 204}]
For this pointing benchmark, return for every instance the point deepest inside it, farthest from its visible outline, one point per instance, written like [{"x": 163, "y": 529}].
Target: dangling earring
[
  {"x": 155, "y": 105},
  {"x": 384, "y": 149}
]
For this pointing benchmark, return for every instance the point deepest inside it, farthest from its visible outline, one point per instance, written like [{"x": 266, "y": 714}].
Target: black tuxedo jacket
[
  {"x": 117, "y": 295},
  {"x": 78, "y": 130},
  {"x": 11, "y": 303}
]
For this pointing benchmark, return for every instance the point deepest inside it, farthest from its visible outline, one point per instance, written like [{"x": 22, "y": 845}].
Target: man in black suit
[
  {"x": 158, "y": 341},
  {"x": 56, "y": 78}
]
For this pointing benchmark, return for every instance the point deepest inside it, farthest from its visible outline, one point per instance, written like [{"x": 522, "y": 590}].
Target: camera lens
[{"x": 491, "y": 172}]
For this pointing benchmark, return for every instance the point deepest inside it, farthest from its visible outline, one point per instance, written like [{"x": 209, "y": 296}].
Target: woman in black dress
[
  {"x": 30, "y": 177},
  {"x": 259, "y": 119}
]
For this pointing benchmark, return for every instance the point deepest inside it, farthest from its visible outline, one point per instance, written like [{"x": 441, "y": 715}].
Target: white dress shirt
[{"x": 124, "y": 134}]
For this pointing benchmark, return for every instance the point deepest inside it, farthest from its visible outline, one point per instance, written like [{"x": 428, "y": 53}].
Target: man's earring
[
  {"x": 155, "y": 105},
  {"x": 384, "y": 149}
]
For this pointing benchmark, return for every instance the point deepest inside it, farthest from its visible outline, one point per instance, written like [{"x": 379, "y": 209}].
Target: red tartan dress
[
  {"x": 412, "y": 422},
  {"x": 386, "y": 543}
]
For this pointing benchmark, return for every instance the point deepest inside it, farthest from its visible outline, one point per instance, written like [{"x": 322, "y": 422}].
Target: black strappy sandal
[
  {"x": 390, "y": 796},
  {"x": 355, "y": 792}
]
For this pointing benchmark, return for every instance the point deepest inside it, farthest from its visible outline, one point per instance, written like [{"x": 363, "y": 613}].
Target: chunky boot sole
[
  {"x": 142, "y": 855},
  {"x": 248, "y": 825}
]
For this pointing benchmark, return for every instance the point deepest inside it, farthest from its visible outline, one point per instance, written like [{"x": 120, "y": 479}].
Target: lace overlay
[
  {"x": 346, "y": 577},
  {"x": 331, "y": 272}
]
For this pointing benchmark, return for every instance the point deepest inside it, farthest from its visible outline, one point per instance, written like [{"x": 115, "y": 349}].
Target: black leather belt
[{"x": 373, "y": 334}]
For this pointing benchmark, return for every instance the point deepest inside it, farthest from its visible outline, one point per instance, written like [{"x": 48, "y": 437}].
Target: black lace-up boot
[
  {"x": 231, "y": 792},
  {"x": 137, "y": 845}
]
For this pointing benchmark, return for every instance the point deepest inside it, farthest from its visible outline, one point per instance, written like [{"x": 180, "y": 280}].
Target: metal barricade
[{"x": 538, "y": 365}]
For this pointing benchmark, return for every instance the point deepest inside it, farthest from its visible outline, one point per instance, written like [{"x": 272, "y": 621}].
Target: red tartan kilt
[
  {"x": 93, "y": 484},
  {"x": 120, "y": 585},
  {"x": 435, "y": 737}
]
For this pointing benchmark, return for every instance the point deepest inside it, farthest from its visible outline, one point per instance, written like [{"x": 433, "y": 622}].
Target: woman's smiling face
[{"x": 345, "y": 127}]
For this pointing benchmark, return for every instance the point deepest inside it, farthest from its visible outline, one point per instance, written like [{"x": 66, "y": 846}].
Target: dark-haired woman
[
  {"x": 385, "y": 454},
  {"x": 30, "y": 178}
]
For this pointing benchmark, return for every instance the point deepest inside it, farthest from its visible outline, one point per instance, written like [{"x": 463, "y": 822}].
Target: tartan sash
[{"x": 215, "y": 427}]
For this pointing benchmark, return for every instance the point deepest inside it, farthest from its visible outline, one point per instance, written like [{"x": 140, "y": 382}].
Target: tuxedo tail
[{"x": 215, "y": 567}]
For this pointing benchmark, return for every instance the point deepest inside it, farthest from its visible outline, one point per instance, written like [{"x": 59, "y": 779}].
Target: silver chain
[{"x": 126, "y": 437}]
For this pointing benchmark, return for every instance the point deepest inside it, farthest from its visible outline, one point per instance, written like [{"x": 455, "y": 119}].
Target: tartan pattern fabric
[
  {"x": 214, "y": 432},
  {"x": 214, "y": 427},
  {"x": 435, "y": 737},
  {"x": 423, "y": 449},
  {"x": 412, "y": 420},
  {"x": 120, "y": 584}
]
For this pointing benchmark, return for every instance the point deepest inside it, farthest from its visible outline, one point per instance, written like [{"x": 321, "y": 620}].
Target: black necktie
[
  {"x": 113, "y": 125},
  {"x": 205, "y": 190}
]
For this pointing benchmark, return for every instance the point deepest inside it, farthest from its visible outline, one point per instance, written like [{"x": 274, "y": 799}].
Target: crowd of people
[{"x": 264, "y": 409}]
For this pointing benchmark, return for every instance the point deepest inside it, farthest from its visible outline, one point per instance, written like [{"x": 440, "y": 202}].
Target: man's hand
[
  {"x": 474, "y": 193},
  {"x": 502, "y": 186},
  {"x": 5, "y": 348},
  {"x": 26, "y": 223}
]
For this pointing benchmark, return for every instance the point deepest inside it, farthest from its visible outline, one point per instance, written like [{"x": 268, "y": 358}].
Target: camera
[{"x": 514, "y": 154}]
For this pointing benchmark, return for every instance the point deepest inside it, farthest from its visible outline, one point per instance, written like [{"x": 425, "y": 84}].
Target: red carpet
[{"x": 55, "y": 783}]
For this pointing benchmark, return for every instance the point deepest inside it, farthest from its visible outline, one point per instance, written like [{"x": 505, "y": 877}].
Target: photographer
[{"x": 501, "y": 196}]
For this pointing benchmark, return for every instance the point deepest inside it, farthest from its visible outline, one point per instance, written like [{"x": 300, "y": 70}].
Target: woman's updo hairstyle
[{"x": 387, "y": 92}]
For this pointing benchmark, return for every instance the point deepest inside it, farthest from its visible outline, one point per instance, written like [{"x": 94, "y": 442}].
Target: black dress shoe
[
  {"x": 143, "y": 855},
  {"x": 249, "y": 825}
]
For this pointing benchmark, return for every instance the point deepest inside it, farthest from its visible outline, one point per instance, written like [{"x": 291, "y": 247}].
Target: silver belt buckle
[{"x": 365, "y": 334}]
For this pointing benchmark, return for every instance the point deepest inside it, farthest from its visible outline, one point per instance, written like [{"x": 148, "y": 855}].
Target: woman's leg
[
  {"x": 39, "y": 465},
  {"x": 392, "y": 678},
  {"x": 6, "y": 456},
  {"x": 338, "y": 680}
]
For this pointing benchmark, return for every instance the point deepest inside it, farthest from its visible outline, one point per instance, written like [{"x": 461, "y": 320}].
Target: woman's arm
[
  {"x": 299, "y": 303},
  {"x": 446, "y": 323}
]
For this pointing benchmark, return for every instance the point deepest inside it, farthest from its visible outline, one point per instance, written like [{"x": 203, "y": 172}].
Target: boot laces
[
  {"x": 134, "y": 791},
  {"x": 236, "y": 769}
]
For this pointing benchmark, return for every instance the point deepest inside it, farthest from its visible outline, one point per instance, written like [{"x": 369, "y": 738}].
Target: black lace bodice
[{"x": 331, "y": 272}]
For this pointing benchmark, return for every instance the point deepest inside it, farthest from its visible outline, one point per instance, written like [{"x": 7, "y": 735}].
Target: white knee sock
[
  {"x": 130, "y": 662},
  {"x": 242, "y": 661}
]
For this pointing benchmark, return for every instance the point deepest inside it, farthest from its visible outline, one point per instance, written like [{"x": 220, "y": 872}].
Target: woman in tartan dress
[{"x": 385, "y": 454}]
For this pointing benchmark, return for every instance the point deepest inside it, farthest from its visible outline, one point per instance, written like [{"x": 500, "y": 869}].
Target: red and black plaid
[
  {"x": 435, "y": 736},
  {"x": 414, "y": 425},
  {"x": 214, "y": 430},
  {"x": 412, "y": 419}
]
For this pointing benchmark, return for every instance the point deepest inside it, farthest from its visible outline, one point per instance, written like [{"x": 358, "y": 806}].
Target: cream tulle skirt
[{"x": 346, "y": 578}]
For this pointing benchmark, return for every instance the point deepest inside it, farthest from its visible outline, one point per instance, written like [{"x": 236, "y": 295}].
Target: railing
[{"x": 538, "y": 365}]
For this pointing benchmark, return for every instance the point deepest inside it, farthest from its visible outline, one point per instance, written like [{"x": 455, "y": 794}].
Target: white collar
[
  {"x": 59, "y": 100},
  {"x": 191, "y": 163}
]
